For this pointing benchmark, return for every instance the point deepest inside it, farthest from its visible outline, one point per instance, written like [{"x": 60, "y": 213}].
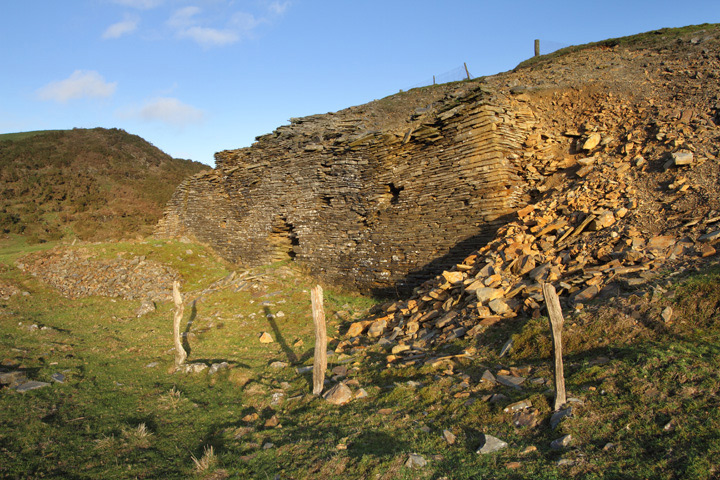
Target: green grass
[
  {"x": 115, "y": 417},
  {"x": 641, "y": 40},
  {"x": 23, "y": 135}
]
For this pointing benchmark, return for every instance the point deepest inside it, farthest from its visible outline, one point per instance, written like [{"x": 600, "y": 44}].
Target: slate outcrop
[
  {"x": 366, "y": 209},
  {"x": 384, "y": 196}
]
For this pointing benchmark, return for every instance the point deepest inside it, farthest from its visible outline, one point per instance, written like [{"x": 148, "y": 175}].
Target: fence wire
[
  {"x": 454, "y": 75},
  {"x": 459, "y": 73},
  {"x": 549, "y": 46}
]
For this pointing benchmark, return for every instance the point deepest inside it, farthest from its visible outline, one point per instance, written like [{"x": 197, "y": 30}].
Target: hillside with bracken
[{"x": 93, "y": 184}]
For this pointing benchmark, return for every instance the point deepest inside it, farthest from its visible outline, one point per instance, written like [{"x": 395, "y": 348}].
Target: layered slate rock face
[{"x": 375, "y": 198}]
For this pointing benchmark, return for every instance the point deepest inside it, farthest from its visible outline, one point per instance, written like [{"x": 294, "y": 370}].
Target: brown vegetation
[{"x": 93, "y": 184}]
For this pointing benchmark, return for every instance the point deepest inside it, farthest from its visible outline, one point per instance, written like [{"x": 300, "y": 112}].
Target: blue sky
[{"x": 198, "y": 76}]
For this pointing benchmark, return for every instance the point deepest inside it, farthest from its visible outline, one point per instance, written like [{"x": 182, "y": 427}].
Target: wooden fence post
[
  {"x": 556, "y": 323},
  {"x": 180, "y": 354},
  {"x": 537, "y": 47},
  {"x": 320, "y": 360},
  {"x": 466, "y": 70}
]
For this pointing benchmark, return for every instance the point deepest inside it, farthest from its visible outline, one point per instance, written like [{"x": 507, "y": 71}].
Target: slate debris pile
[
  {"x": 75, "y": 273},
  {"x": 620, "y": 187},
  {"x": 381, "y": 196}
]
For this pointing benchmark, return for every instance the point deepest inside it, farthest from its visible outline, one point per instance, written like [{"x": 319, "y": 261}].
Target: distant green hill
[{"x": 95, "y": 184}]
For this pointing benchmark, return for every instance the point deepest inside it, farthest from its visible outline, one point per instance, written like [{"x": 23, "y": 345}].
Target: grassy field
[{"x": 647, "y": 389}]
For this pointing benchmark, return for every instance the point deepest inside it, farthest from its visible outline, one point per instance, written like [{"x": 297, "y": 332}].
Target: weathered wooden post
[
  {"x": 537, "y": 47},
  {"x": 180, "y": 354},
  {"x": 320, "y": 359},
  {"x": 466, "y": 70},
  {"x": 556, "y": 323}
]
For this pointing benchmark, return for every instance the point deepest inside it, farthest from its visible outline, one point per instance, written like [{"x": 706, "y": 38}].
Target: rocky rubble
[
  {"x": 76, "y": 273},
  {"x": 622, "y": 187}
]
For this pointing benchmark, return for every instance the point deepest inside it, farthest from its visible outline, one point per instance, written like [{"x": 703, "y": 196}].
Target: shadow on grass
[
  {"x": 291, "y": 356},
  {"x": 191, "y": 320}
]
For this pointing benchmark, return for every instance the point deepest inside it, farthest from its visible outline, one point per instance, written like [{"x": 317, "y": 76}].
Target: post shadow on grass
[
  {"x": 291, "y": 356},
  {"x": 191, "y": 320}
]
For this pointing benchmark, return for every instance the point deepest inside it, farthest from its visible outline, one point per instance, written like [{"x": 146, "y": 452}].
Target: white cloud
[
  {"x": 278, "y": 8},
  {"x": 81, "y": 84},
  {"x": 210, "y": 37},
  {"x": 166, "y": 110},
  {"x": 183, "y": 18},
  {"x": 187, "y": 23},
  {"x": 245, "y": 22},
  {"x": 140, "y": 4},
  {"x": 117, "y": 30}
]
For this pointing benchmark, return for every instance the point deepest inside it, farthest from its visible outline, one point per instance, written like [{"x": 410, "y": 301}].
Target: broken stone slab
[
  {"x": 340, "y": 394},
  {"x": 510, "y": 380},
  {"x": 356, "y": 329},
  {"x": 265, "y": 337},
  {"x": 216, "y": 367},
  {"x": 498, "y": 306},
  {"x": 660, "y": 242},
  {"x": 592, "y": 141},
  {"x": 586, "y": 294},
  {"x": 604, "y": 220},
  {"x": 147, "y": 306},
  {"x": 518, "y": 406},
  {"x": 710, "y": 237},
  {"x": 399, "y": 349},
  {"x": 415, "y": 461},
  {"x": 31, "y": 385},
  {"x": 682, "y": 158},
  {"x": 487, "y": 376},
  {"x": 507, "y": 347},
  {"x": 560, "y": 443},
  {"x": 377, "y": 328},
  {"x": 453, "y": 277},
  {"x": 12, "y": 378},
  {"x": 490, "y": 444},
  {"x": 486, "y": 294},
  {"x": 58, "y": 377},
  {"x": 449, "y": 437},
  {"x": 525, "y": 418}
]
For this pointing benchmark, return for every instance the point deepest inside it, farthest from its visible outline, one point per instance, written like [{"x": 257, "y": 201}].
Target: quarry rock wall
[{"x": 373, "y": 209}]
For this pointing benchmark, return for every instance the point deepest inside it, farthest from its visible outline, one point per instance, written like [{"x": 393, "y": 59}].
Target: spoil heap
[
  {"x": 79, "y": 273},
  {"x": 382, "y": 196},
  {"x": 623, "y": 177}
]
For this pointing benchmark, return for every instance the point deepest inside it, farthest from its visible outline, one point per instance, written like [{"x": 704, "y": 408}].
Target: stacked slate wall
[{"x": 374, "y": 210}]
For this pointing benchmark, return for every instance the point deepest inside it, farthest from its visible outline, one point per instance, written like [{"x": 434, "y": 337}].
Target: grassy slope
[
  {"x": 94, "y": 184},
  {"x": 116, "y": 418},
  {"x": 641, "y": 40}
]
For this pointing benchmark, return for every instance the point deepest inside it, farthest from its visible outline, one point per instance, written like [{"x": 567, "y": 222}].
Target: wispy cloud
[
  {"x": 183, "y": 18},
  {"x": 81, "y": 84},
  {"x": 278, "y": 8},
  {"x": 140, "y": 4},
  {"x": 209, "y": 37},
  {"x": 167, "y": 110},
  {"x": 190, "y": 23},
  {"x": 245, "y": 23},
  {"x": 117, "y": 30}
]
